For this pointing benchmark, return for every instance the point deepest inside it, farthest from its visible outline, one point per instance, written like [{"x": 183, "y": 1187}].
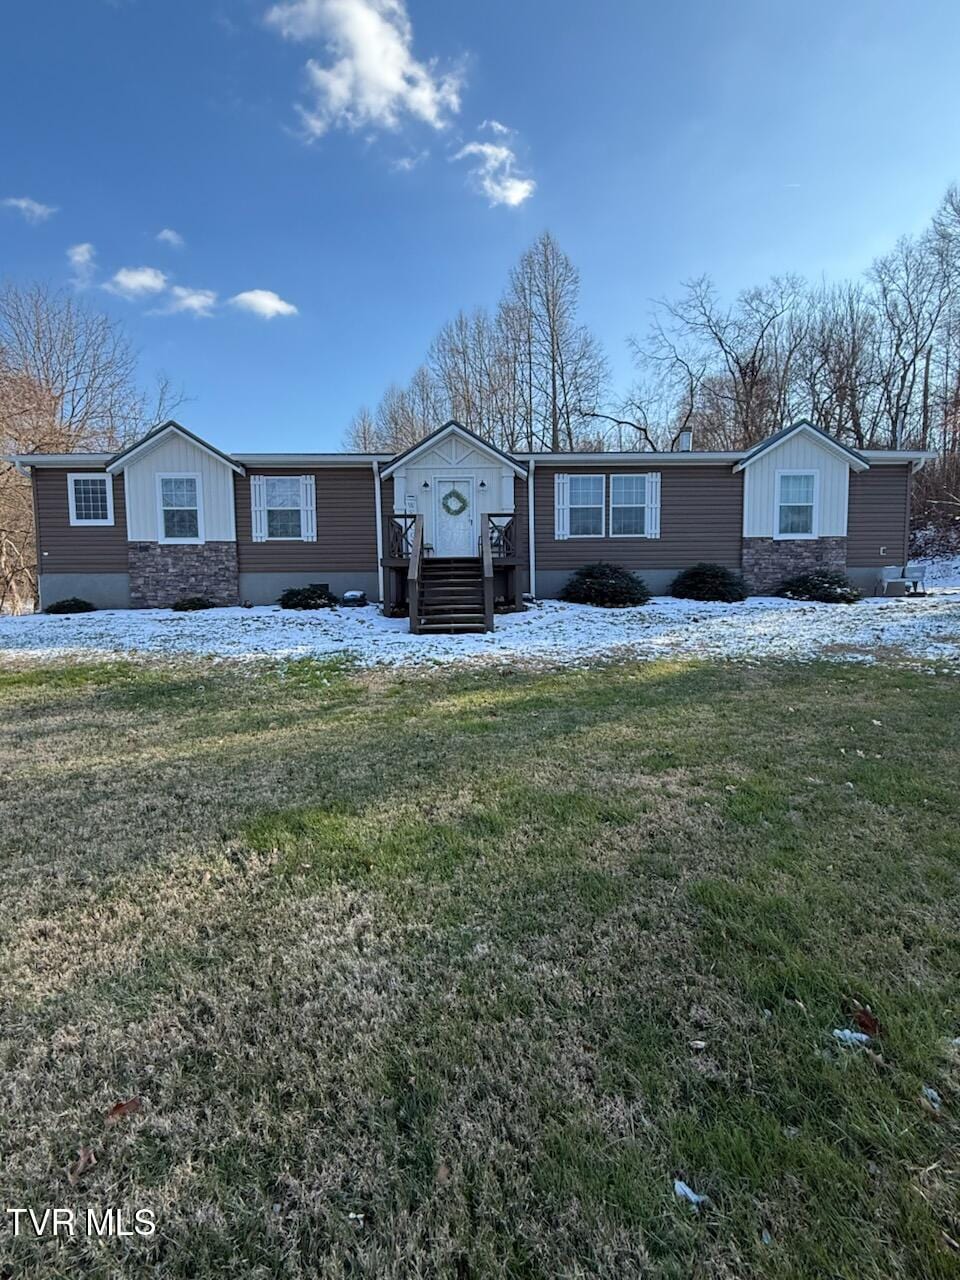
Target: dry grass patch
[{"x": 453, "y": 975}]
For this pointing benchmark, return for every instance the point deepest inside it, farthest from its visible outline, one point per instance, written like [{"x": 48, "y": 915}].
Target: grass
[{"x": 454, "y": 974}]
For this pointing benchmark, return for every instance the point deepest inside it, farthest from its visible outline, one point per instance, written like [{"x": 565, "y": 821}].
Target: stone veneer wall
[
  {"x": 161, "y": 573},
  {"x": 767, "y": 561}
]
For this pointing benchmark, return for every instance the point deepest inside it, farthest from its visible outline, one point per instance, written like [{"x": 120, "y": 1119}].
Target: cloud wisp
[
  {"x": 170, "y": 237},
  {"x": 196, "y": 302},
  {"x": 136, "y": 282},
  {"x": 493, "y": 172},
  {"x": 83, "y": 264},
  {"x": 31, "y": 210},
  {"x": 264, "y": 303},
  {"x": 370, "y": 77}
]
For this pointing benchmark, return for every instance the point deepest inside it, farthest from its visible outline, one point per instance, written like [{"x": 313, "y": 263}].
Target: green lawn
[{"x": 452, "y": 975}]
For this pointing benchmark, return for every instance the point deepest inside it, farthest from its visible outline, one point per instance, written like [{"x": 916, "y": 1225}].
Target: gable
[
  {"x": 159, "y": 435},
  {"x": 809, "y": 435},
  {"x": 175, "y": 453},
  {"x": 452, "y": 437},
  {"x": 801, "y": 452}
]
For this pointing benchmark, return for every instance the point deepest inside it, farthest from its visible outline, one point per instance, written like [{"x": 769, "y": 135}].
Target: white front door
[{"x": 453, "y": 517}]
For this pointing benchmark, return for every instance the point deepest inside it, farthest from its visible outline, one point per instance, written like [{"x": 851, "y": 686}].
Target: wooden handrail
[
  {"x": 502, "y": 536},
  {"x": 487, "y": 554},
  {"x": 399, "y": 533},
  {"x": 413, "y": 575}
]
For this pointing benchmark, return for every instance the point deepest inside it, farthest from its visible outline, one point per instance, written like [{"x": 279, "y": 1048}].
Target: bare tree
[
  {"x": 528, "y": 376},
  {"x": 67, "y": 384}
]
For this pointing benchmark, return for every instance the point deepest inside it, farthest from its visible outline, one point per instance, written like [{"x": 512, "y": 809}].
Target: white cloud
[
  {"x": 173, "y": 238},
  {"x": 83, "y": 261},
  {"x": 198, "y": 302},
  {"x": 495, "y": 127},
  {"x": 494, "y": 173},
  {"x": 406, "y": 164},
  {"x": 264, "y": 303},
  {"x": 32, "y": 210},
  {"x": 370, "y": 76},
  {"x": 137, "y": 282}
]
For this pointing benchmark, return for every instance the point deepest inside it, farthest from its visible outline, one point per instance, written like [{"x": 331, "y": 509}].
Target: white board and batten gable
[
  {"x": 448, "y": 455},
  {"x": 170, "y": 450},
  {"x": 801, "y": 448}
]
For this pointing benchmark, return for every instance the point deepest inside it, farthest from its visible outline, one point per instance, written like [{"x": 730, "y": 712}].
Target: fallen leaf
[
  {"x": 443, "y": 1174},
  {"x": 698, "y": 1044},
  {"x": 933, "y": 1110},
  {"x": 121, "y": 1109},
  {"x": 85, "y": 1160},
  {"x": 866, "y": 1020}
]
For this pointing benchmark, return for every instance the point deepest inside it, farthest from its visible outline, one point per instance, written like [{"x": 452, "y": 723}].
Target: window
[
  {"x": 90, "y": 498},
  {"x": 628, "y": 505},
  {"x": 795, "y": 516},
  {"x": 179, "y": 508},
  {"x": 283, "y": 508},
  {"x": 579, "y": 506}
]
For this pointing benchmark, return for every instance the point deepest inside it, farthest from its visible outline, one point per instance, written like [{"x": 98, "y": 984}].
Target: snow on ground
[
  {"x": 944, "y": 572},
  {"x": 923, "y": 631}
]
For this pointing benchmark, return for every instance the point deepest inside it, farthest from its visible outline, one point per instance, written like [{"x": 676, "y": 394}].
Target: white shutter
[
  {"x": 258, "y": 508},
  {"x": 308, "y": 508},
  {"x": 561, "y": 507},
  {"x": 400, "y": 502},
  {"x": 652, "y": 510}
]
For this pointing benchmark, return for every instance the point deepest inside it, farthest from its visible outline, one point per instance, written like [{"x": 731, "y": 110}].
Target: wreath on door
[{"x": 454, "y": 503}]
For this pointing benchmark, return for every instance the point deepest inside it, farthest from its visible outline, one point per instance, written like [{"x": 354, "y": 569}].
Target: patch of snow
[
  {"x": 941, "y": 572},
  {"x": 923, "y": 631}
]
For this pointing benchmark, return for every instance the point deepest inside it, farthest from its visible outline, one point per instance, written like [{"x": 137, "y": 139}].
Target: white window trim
[
  {"x": 588, "y": 475},
  {"x": 307, "y": 508},
  {"x": 777, "y": 504},
  {"x": 180, "y": 475},
  {"x": 72, "y": 498},
  {"x": 651, "y": 481}
]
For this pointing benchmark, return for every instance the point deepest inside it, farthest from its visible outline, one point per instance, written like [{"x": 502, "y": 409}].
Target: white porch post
[
  {"x": 531, "y": 527},
  {"x": 379, "y": 526}
]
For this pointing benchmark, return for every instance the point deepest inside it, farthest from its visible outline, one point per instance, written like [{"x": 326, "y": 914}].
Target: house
[{"x": 453, "y": 523}]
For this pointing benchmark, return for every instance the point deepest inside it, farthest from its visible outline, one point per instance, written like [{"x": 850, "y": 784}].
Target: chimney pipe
[{"x": 685, "y": 441}]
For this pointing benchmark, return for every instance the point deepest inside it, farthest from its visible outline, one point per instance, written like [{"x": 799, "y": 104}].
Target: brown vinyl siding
[
  {"x": 701, "y": 518},
  {"x": 346, "y": 530},
  {"x": 67, "y": 548},
  {"x": 879, "y": 516},
  {"x": 521, "y": 522}
]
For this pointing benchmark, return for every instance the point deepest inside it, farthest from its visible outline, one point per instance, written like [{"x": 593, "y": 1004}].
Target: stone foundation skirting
[
  {"x": 162, "y": 573},
  {"x": 768, "y": 561}
]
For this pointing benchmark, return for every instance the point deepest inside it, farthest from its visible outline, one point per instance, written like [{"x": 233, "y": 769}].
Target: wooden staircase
[{"x": 450, "y": 595}]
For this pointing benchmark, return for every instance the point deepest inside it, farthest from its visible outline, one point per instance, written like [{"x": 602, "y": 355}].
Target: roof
[
  {"x": 520, "y": 462},
  {"x": 856, "y": 461},
  {"x": 448, "y": 429},
  {"x": 152, "y": 438}
]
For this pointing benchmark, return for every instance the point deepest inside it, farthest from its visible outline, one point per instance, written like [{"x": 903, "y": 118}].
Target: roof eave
[
  {"x": 451, "y": 428},
  {"x": 152, "y": 439}
]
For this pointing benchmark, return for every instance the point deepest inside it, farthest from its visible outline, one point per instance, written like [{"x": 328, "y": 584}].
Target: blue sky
[{"x": 340, "y": 191}]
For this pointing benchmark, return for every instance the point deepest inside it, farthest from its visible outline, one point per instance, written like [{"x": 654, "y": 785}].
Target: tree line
[{"x": 875, "y": 361}]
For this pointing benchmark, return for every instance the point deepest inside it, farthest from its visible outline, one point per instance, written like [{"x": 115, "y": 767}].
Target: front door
[{"x": 453, "y": 522}]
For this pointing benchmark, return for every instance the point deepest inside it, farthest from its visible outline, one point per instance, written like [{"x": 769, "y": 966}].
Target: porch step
[
  {"x": 458, "y": 598},
  {"x": 433, "y": 627},
  {"x": 451, "y": 595}
]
